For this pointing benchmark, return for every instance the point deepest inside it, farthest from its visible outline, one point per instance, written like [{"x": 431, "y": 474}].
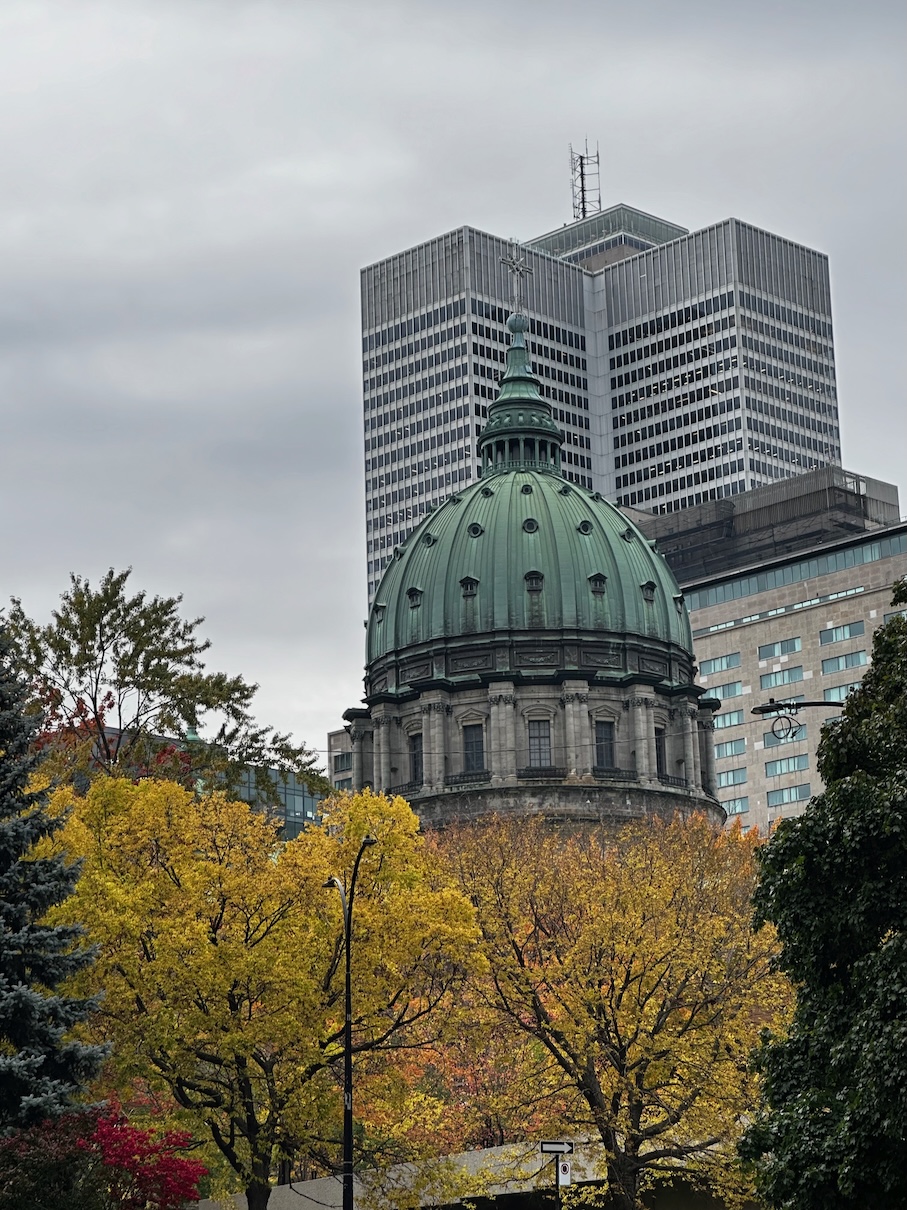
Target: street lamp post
[{"x": 346, "y": 900}]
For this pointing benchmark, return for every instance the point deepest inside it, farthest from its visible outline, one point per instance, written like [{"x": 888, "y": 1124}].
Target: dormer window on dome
[
  {"x": 648, "y": 591},
  {"x": 469, "y": 586},
  {"x": 534, "y": 581},
  {"x": 597, "y": 583},
  {"x": 414, "y": 596}
]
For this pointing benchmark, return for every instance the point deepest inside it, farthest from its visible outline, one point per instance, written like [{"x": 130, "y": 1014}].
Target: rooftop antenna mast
[{"x": 586, "y": 181}]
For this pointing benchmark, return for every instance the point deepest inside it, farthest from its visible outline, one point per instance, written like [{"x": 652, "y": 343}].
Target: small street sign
[
  {"x": 556, "y": 1147},
  {"x": 563, "y": 1173}
]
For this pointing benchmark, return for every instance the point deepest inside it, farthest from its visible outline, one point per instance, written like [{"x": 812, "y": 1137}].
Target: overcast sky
[{"x": 188, "y": 190}]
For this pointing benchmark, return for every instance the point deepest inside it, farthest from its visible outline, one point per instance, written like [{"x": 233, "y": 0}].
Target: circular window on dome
[
  {"x": 585, "y": 527},
  {"x": 475, "y": 530},
  {"x": 429, "y": 539},
  {"x": 627, "y": 535},
  {"x": 526, "y": 489},
  {"x": 530, "y": 525},
  {"x": 486, "y": 492},
  {"x": 565, "y": 490}
]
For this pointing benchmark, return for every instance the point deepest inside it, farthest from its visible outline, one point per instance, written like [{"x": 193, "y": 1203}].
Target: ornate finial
[{"x": 518, "y": 270}]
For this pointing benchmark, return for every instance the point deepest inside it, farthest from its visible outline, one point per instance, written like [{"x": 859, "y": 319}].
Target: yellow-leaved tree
[
  {"x": 630, "y": 957},
  {"x": 222, "y": 961}
]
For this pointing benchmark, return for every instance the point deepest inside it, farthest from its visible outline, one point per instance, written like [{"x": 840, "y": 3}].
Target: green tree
[
  {"x": 122, "y": 684},
  {"x": 834, "y": 884},
  {"x": 42, "y": 1067}
]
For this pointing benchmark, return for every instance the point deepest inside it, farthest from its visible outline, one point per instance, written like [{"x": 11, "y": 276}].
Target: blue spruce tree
[{"x": 41, "y": 1068}]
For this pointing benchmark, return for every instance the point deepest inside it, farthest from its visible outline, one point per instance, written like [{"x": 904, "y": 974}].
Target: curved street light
[{"x": 346, "y": 900}]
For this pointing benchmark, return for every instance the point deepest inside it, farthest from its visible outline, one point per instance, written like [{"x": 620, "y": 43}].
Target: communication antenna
[{"x": 585, "y": 179}]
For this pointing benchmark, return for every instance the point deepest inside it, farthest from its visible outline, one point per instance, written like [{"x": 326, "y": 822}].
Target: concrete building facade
[{"x": 786, "y": 587}]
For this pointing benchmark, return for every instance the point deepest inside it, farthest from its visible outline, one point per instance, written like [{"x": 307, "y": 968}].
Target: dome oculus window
[
  {"x": 530, "y": 525},
  {"x": 585, "y": 527},
  {"x": 429, "y": 539},
  {"x": 627, "y": 535},
  {"x": 526, "y": 489},
  {"x": 486, "y": 492},
  {"x": 475, "y": 530},
  {"x": 534, "y": 581}
]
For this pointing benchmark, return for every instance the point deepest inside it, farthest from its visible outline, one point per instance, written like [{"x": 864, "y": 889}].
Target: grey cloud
[{"x": 188, "y": 191}]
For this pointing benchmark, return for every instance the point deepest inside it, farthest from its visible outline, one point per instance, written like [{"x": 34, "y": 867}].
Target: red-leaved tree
[{"x": 97, "y": 1161}]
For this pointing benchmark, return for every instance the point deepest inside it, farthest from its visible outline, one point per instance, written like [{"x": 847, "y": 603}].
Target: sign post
[{"x": 558, "y": 1148}]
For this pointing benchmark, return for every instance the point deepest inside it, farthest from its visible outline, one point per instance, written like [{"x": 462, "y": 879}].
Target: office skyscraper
[{"x": 681, "y": 366}]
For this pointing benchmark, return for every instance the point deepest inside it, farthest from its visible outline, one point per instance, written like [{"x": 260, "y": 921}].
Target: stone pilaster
[
  {"x": 500, "y": 759},
  {"x": 575, "y": 731}
]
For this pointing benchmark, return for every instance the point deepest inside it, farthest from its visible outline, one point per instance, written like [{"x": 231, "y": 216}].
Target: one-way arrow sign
[{"x": 556, "y": 1147}]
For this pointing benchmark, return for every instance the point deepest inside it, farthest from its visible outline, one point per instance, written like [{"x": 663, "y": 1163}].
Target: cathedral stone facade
[{"x": 529, "y": 651}]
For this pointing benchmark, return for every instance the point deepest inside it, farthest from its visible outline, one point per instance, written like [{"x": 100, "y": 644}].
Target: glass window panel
[{"x": 539, "y": 743}]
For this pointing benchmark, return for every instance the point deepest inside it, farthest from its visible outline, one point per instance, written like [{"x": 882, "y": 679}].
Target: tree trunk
[
  {"x": 258, "y": 1193},
  {"x": 623, "y": 1185}
]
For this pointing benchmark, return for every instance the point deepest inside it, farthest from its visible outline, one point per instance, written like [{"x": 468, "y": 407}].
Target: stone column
[
  {"x": 382, "y": 752},
  {"x": 356, "y": 740},
  {"x": 707, "y": 748},
  {"x": 637, "y": 709},
  {"x": 494, "y": 754},
  {"x": 650, "y": 737},
  {"x": 510, "y": 741},
  {"x": 688, "y": 718},
  {"x": 576, "y": 750},
  {"x": 569, "y": 734},
  {"x": 433, "y": 743},
  {"x": 439, "y": 744}
]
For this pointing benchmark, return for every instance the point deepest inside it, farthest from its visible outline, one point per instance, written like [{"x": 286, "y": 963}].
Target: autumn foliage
[
  {"x": 630, "y": 962},
  {"x": 221, "y": 956},
  {"x": 93, "y": 1160},
  {"x": 512, "y": 980}
]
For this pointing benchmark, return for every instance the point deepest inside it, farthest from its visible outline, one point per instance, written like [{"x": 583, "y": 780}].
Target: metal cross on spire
[{"x": 518, "y": 270}]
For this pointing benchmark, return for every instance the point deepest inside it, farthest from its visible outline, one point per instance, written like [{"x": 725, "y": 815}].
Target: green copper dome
[
  {"x": 526, "y": 551},
  {"x": 523, "y": 575}
]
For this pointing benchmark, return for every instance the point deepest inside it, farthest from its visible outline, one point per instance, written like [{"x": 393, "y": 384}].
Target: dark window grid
[
  {"x": 539, "y": 743},
  {"x": 604, "y": 745},
  {"x": 473, "y": 748}
]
